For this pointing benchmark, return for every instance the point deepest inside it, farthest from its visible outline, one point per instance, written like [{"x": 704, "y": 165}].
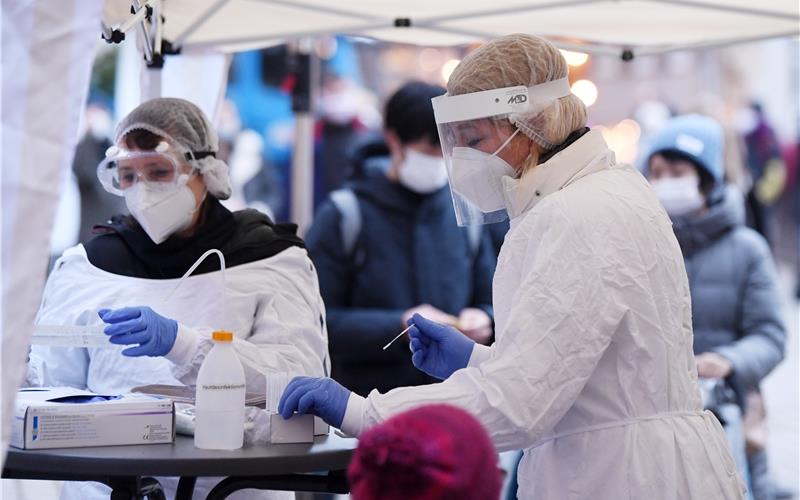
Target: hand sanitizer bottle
[{"x": 219, "y": 405}]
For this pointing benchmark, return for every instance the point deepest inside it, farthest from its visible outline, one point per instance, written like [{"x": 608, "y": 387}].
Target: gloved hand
[
  {"x": 323, "y": 397},
  {"x": 154, "y": 333},
  {"x": 438, "y": 350}
]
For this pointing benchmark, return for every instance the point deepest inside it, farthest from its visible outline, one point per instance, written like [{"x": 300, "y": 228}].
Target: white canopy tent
[
  {"x": 594, "y": 26},
  {"x": 623, "y": 28},
  {"x": 47, "y": 52}
]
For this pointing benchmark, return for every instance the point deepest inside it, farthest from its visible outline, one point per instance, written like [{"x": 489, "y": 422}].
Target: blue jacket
[
  {"x": 410, "y": 251},
  {"x": 736, "y": 308}
]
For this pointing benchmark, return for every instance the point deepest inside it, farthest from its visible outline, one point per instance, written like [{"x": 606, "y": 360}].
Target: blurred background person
[
  {"x": 739, "y": 334},
  {"x": 766, "y": 167},
  {"x": 388, "y": 246},
  {"x": 435, "y": 452},
  {"x": 345, "y": 115},
  {"x": 96, "y": 204}
]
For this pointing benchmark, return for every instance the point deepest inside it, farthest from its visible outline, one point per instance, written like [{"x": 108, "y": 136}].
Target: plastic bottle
[{"x": 219, "y": 406}]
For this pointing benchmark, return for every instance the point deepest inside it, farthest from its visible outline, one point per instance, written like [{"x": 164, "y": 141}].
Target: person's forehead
[
  {"x": 676, "y": 165},
  {"x": 145, "y": 160},
  {"x": 474, "y": 124}
]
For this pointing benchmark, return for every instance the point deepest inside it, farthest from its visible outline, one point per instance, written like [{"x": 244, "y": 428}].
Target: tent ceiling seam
[
  {"x": 325, "y": 9},
  {"x": 785, "y": 16},
  {"x": 201, "y": 20}
]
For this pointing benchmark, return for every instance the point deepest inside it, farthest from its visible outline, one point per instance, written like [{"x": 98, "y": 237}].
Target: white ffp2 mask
[
  {"x": 477, "y": 176},
  {"x": 680, "y": 196},
  {"x": 161, "y": 213},
  {"x": 422, "y": 173}
]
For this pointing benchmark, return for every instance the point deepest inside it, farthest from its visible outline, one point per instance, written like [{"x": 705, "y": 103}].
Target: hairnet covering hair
[
  {"x": 698, "y": 138},
  {"x": 188, "y": 129},
  {"x": 524, "y": 60},
  {"x": 428, "y": 453}
]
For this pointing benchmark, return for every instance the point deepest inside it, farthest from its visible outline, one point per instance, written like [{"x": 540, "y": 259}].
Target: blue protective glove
[
  {"x": 323, "y": 397},
  {"x": 154, "y": 333},
  {"x": 438, "y": 349}
]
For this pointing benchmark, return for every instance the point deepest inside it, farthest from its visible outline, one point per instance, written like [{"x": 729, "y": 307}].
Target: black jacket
[{"x": 410, "y": 251}]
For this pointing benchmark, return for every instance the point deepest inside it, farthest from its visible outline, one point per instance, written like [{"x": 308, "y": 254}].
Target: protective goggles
[{"x": 162, "y": 169}]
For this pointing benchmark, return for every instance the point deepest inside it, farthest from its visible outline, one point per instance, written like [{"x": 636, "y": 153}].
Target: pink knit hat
[{"x": 433, "y": 452}]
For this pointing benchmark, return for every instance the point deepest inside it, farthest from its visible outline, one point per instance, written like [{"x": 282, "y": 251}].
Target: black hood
[
  {"x": 123, "y": 247},
  {"x": 725, "y": 213}
]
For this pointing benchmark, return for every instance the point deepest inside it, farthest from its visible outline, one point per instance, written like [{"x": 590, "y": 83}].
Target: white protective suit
[
  {"x": 274, "y": 310},
  {"x": 592, "y": 371}
]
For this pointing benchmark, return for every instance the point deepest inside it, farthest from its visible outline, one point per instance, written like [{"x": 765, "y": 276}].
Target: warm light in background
[
  {"x": 448, "y": 67},
  {"x": 430, "y": 59},
  {"x": 325, "y": 47},
  {"x": 586, "y": 91},
  {"x": 623, "y": 139},
  {"x": 574, "y": 58}
]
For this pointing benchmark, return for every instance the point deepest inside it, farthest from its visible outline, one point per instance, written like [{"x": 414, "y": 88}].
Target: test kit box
[{"x": 63, "y": 417}]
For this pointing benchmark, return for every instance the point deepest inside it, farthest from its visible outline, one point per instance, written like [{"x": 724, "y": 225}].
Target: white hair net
[
  {"x": 522, "y": 60},
  {"x": 188, "y": 129}
]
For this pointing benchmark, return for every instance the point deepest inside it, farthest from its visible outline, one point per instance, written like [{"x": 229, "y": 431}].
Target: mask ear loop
[{"x": 506, "y": 143}]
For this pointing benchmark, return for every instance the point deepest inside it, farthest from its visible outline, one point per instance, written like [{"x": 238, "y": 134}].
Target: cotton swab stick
[{"x": 398, "y": 336}]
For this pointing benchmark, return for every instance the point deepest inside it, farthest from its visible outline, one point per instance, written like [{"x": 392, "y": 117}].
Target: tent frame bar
[
  {"x": 653, "y": 51},
  {"x": 200, "y": 21},
  {"x": 434, "y": 24},
  {"x": 323, "y": 8},
  {"x": 784, "y": 16}
]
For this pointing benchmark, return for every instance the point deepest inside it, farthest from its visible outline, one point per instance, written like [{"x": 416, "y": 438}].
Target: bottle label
[{"x": 221, "y": 387}]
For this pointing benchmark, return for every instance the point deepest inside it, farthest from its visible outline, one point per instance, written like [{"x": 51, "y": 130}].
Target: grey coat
[{"x": 735, "y": 302}]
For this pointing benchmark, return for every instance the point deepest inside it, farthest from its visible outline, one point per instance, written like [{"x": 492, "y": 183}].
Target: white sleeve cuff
[
  {"x": 480, "y": 353},
  {"x": 185, "y": 346},
  {"x": 353, "y": 422}
]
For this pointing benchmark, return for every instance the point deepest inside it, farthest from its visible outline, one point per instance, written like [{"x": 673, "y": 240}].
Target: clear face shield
[
  {"x": 162, "y": 170},
  {"x": 474, "y": 129}
]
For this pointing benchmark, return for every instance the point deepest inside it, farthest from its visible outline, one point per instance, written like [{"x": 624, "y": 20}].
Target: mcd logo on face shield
[{"x": 518, "y": 99}]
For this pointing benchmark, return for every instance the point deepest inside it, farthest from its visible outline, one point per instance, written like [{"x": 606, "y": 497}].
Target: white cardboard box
[
  {"x": 42, "y": 421},
  {"x": 298, "y": 429}
]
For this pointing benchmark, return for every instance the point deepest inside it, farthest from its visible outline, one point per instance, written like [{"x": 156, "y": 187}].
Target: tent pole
[
  {"x": 302, "y": 174},
  {"x": 145, "y": 33}
]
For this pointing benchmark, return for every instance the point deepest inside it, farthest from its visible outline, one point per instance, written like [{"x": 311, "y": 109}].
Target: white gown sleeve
[
  {"x": 56, "y": 366},
  {"x": 288, "y": 334},
  {"x": 563, "y": 317}
]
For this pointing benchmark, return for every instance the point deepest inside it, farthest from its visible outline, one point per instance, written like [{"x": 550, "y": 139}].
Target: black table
[{"x": 128, "y": 469}]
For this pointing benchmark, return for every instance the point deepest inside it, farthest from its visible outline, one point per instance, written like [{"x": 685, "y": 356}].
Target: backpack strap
[{"x": 350, "y": 225}]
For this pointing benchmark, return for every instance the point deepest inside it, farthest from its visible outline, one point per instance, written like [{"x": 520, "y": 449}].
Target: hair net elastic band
[
  {"x": 522, "y": 126},
  {"x": 499, "y": 102},
  {"x": 216, "y": 176},
  {"x": 150, "y": 128}
]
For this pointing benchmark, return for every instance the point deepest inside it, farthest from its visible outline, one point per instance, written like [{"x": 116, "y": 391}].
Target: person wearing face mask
[
  {"x": 591, "y": 371},
  {"x": 739, "y": 335},
  {"x": 163, "y": 164},
  {"x": 405, "y": 253}
]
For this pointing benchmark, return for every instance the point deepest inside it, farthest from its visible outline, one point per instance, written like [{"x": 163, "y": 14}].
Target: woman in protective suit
[
  {"x": 592, "y": 371},
  {"x": 164, "y": 164}
]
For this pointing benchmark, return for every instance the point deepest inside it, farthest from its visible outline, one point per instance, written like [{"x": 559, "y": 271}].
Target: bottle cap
[{"x": 222, "y": 336}]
